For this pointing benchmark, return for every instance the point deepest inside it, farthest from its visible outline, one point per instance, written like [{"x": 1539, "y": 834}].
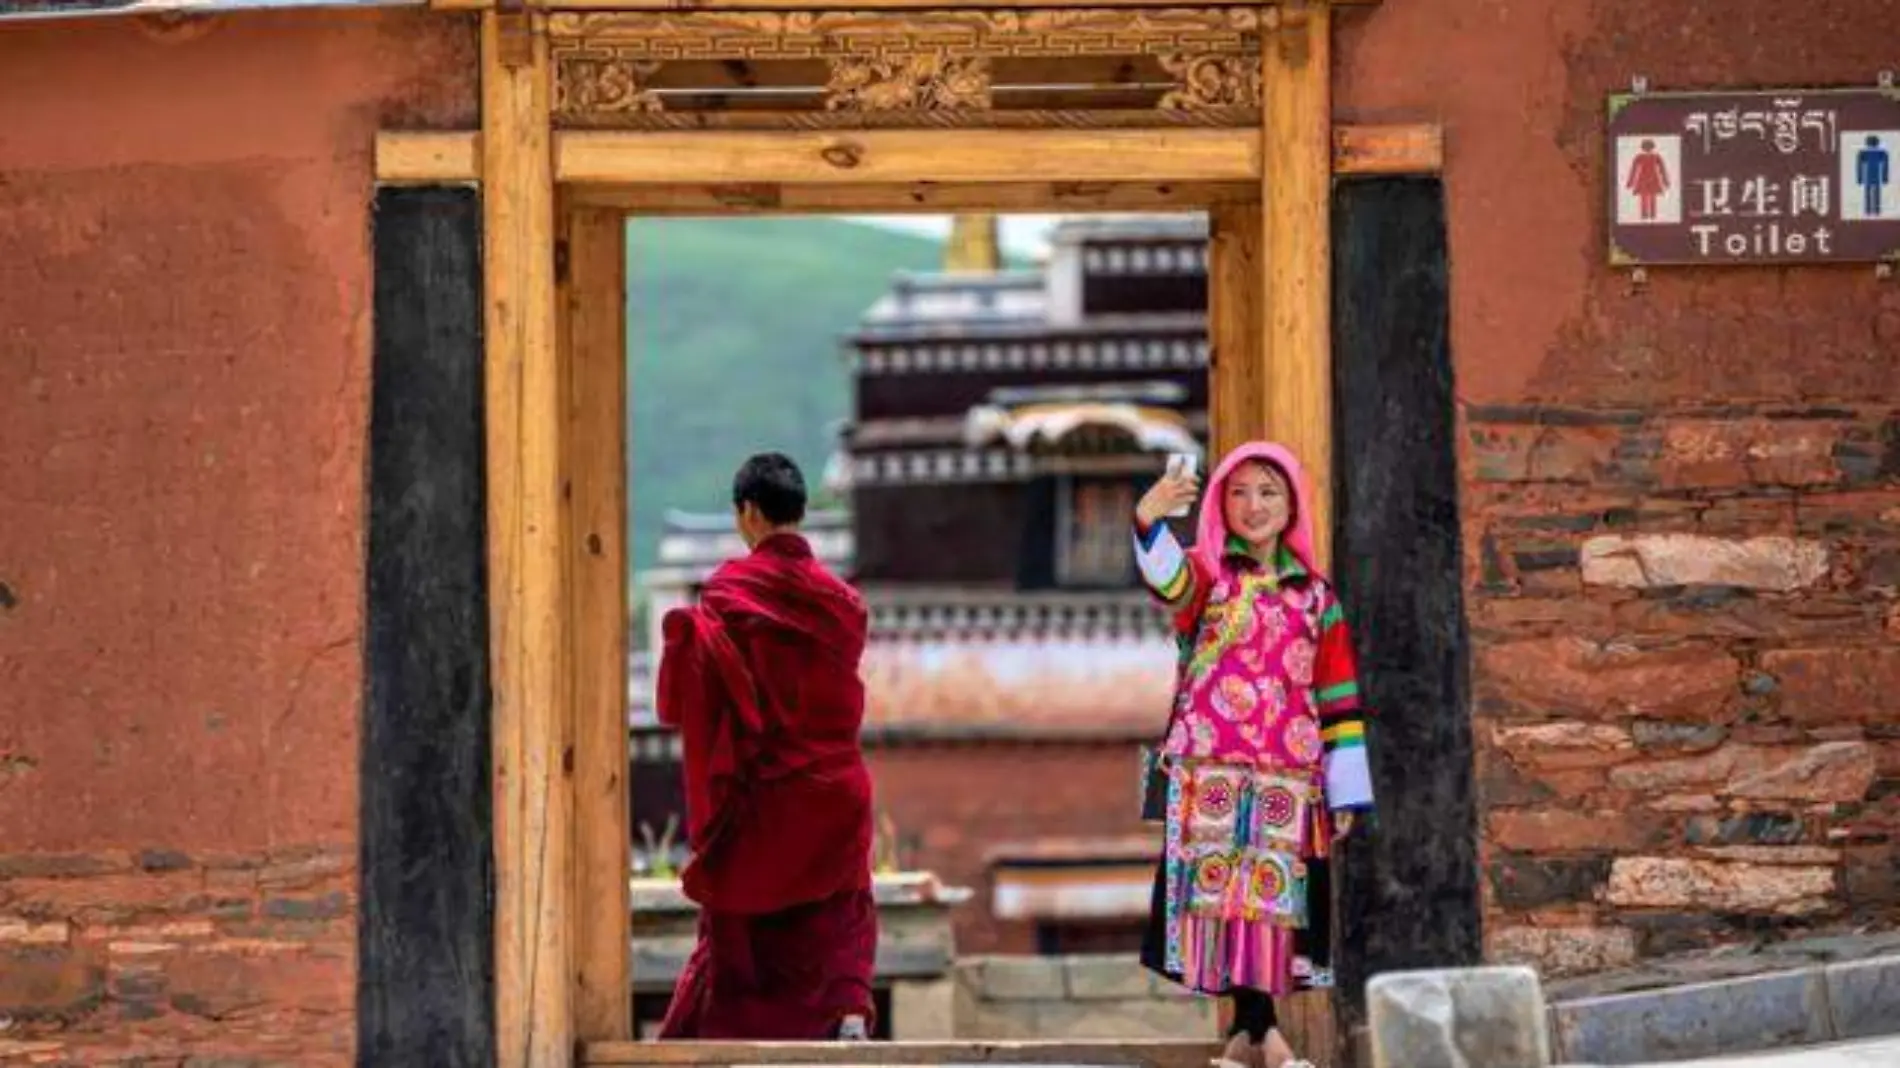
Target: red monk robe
[{"x": 761, "y": 678}]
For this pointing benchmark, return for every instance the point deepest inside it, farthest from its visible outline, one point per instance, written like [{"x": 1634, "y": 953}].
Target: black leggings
[{"x": 1253, "y": 1014}]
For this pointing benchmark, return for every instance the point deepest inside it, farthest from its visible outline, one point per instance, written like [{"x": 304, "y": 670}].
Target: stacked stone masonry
[
  {"x": 1686, "y": 675},
  {"x": 159, "y": 954},
  {"x": 1077, "y": 997}
]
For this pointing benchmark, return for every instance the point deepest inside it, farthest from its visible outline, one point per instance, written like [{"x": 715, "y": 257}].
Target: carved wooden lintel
[
  {"x": 1211, "y": 81},
  {"x": 1076, "y": 67},
  {"x": 916, "y": 82},
  {"x": 604, "y": 84},
  {"x": 810, "y": 35}
]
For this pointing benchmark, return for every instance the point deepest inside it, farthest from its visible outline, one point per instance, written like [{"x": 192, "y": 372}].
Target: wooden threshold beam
[
  {"x": 841, "y": 5},
  {"x": 1134, "y": 1054},
  {"x": 718, "y": 159}
]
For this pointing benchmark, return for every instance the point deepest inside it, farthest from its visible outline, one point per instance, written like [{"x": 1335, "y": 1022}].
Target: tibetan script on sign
[{"x": 1783, "y": 176}]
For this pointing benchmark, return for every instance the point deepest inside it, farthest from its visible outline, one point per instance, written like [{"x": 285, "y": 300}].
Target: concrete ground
[{"x": 1869, "y": 1053}]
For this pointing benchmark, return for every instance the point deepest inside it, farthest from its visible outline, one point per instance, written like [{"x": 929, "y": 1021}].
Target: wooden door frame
[{"x": 553, "y": 204}]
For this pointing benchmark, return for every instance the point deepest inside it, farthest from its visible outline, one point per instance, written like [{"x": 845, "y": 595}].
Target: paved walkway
[{"x": 1872, "y": 1053}]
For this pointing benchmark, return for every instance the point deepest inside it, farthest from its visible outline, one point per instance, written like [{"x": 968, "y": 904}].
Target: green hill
[{"x": 733, "y": 329}]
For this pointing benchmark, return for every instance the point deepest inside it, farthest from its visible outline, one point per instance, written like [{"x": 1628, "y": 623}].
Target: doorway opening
[
  {"x": 570, "y": 148},
  {"x": 1001, "y": 420},
  {"x": 977, "y": 400}
]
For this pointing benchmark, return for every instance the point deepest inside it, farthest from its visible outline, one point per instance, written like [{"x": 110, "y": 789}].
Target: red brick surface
[
  {"x": 164, "y": 955},
  {"x": 184, "y": 358},
  {"x": 1731, "y": 403},
  {"x": 953, "y": 805}
]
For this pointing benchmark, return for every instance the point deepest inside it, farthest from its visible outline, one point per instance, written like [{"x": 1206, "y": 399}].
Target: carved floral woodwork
[
  {"x": 926, "y": 82},
  {"x": 1171, "y": 66},
  {"x": 1211, "y": 81},
  {"x": 605, "y": 85}
]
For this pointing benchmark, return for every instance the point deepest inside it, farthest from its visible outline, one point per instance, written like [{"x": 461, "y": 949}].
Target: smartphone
[{"x": 1181, "y": 463}]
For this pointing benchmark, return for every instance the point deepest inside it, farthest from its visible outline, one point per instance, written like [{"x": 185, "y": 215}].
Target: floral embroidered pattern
[
  {"x": 1236, "y": 836},
  {"x": 1235, "y": 698},
  {"x": 1213, "y": 878},
  {"x": 1276, "y": 887},
  {"x": 1302, "y": 740},
  {"x": 1300, "y": 654},
  {"x": 1229, "y": 620},
  {"x": 1273, "y": 697},
  {"x": 1250, "y": 674},
  {"x": 1216, "y": 800},
  {"x": 1276, "y": 807},
  {"x": 1273, "y": 625}
]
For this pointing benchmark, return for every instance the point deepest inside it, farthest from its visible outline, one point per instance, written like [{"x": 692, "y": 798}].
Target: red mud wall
[
  {"x": 184, "y": 358},
  {"x": 954, "y": 804},
  {"x": 1672, "y": 754}
]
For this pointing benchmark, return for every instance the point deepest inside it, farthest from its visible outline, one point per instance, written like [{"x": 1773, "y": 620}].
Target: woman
[{"x": 1264, "y": 753}]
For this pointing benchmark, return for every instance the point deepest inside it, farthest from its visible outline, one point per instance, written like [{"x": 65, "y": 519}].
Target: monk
[{"x": 761, "y": 679}]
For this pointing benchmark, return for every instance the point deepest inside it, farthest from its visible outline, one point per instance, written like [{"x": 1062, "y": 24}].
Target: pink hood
[{"x": 1211, "y": 539}]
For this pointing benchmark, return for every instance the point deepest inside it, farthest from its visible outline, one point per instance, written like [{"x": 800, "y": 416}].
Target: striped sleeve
[
  {"x": 1164, "y": 565},
  {"x": 1342, "y": 717}
]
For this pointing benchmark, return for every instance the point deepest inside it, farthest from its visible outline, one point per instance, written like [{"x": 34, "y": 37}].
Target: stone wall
[
  {"x": 185, "y": 342},
  {"x": 1685, "y": 674},
  {"x": 161, "y": 953},
  {"x": 1094, "y": 997},
  {"x": 1680, "y": 499}
]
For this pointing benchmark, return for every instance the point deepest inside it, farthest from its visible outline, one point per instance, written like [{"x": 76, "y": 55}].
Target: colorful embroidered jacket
[{"x": 1267, "y": 671}]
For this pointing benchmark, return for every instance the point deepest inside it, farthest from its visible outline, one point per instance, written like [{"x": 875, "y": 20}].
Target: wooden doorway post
[
  {"x": 1296, "y": 149},
  {"x": 527, "y": 554},
  {"x": 1294, "y": 277},
  {"x": 590, "y": 268},
  {"x": 1236, "y": 373}
]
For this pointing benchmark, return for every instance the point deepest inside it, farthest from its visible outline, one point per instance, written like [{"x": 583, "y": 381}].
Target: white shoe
[{"x": 1224, "y": 1062}]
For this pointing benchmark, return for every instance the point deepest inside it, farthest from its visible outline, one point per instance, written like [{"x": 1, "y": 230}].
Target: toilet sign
[{"x": 1781, "y": 176}]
